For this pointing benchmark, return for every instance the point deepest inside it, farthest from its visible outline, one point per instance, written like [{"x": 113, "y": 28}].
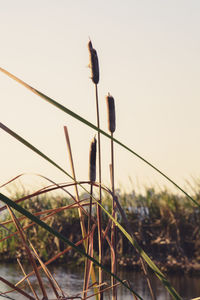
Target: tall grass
[{"x": 85, "y": 211}]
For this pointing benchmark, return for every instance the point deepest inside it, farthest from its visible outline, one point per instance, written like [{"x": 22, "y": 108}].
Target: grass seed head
[
  {"x": 92, "y": 169},
  {"x": 111, "y": 112},
  {"x": 94, "y": 63}
]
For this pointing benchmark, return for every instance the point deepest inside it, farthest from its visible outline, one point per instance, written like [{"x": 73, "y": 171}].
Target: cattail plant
[
  {"x": 111, "y": 127},
  {"x": 94, "y": 66},
  {"x": 92, "y": 178},
  {"x": 81, "y": 216}
]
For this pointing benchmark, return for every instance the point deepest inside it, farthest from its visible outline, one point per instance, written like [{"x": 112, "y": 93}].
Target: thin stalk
[
  {"x": 99, "y": 213},
  {"x": 16, "y": 288},
  {"x": 83, "y": 229},
  {"x": 50, "y": 277},
  {"x": 129, "y": 230},
  {"x": 29, "y": 283},
  {"x": 113, "y": 227},
  {"x": 145, "y": 270},
  {"x": 90, "y": 208},
  {"x": 86, "y": 274},
  {"x": 92, "y": 179},
  {"x": 49, "y": 261}
]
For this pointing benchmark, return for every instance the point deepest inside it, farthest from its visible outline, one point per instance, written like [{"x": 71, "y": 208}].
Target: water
[{"x": 71, "y": 281}]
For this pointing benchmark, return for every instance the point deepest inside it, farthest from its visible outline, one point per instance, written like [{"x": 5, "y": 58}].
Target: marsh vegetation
[{"x": 95, "y": 225}]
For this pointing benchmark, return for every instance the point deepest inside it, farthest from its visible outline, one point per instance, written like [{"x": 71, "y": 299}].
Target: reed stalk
[
  {"x": 92, "y": 178},
  {"x": 94, "y": 66},
  {"x": 15, "y": 288},
  {"x": 83, "y": 229},
  {"x": 29, "y": 283},
  {"x": 111, "y": 126},
  {"x": 52, "y": 282}
]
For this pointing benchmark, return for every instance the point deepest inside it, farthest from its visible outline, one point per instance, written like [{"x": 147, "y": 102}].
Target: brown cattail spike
[
  {"x": 92, "y": 171},
  {"x": 111, "y": 112},
  {"x": 94, "y": 63}
]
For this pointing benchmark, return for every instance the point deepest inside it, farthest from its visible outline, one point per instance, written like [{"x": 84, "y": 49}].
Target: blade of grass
[{"x": 86, "y": 122}]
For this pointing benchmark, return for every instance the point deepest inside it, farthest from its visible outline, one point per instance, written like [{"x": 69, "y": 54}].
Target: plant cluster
[{"x": 37, "y": 220}]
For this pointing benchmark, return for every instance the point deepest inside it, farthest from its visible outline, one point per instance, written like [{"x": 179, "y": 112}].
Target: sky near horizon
[{"x": 149, "y": 56}]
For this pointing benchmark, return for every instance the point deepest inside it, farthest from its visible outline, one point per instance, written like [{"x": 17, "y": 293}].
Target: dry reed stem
[
  {"x": 56, "y": 210},
  {"x": 106, "y": 289},
  {"x": 43, "y": 190},
  {"x": 83, "y": 229},
  {"x": 51, "y": 210},
  {"x": 29, "y": 283},
  {"x": 51, "y": 260},
  {"x": 88, "y": 265},
  {"x": 74, "y": 177},
  {"x": 32, "y": 261},
  {"x": 50, "y": 277},
  {"x": 15, "y": 288}
]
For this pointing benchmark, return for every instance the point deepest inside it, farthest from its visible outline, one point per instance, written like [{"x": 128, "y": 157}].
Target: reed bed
[{"x": 101, "y": 216}]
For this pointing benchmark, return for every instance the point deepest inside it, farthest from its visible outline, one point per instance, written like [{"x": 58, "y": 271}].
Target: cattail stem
[
  {"x": 94, "y": 66},
  {"x": 111, "y": 127},
  {"x": 99, "y": 213},
  {"x": 92, "y": 178},
  {"x": 83, "y": 229},
  {"x": 113, "y": 227}
]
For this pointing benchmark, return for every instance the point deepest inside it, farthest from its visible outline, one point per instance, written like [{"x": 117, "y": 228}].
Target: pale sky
[{"x": 149, "y": 56}]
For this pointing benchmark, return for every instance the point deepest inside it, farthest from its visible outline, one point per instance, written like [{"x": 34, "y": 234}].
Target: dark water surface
[{"x": 71, "y": 282}]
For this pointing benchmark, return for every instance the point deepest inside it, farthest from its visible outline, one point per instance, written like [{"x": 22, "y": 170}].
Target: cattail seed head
[
  {"x": 94, "y": 63},
  {"x": 111, "y": 112},
  {"x": 92, "y": 158}
]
